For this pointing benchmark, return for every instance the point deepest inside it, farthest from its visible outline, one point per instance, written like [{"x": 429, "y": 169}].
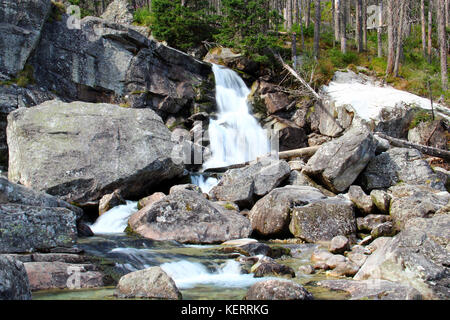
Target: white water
[
  {"x": 236, "y": 136},
  {"x": 188, "y": 275},
  {"x": 114, "y": 220}
]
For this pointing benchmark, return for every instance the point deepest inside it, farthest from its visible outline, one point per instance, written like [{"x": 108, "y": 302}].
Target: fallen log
[
  {"x": 301, "y": 153},
  {"x": 435, "y": 152}
]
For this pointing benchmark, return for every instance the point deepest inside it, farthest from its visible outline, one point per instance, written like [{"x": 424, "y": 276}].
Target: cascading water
[
  {"x": 114, "y": 220},
  {"x": 236, "y": 136}
]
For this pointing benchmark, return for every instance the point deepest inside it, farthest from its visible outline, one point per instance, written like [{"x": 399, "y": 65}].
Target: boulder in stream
[
  {"x": 14, "y": 284},
  {"x": 277, "y": 290}
]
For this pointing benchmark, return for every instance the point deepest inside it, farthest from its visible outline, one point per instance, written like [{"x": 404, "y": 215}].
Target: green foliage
[
  {"x": 142, "y": 16},
  {"x": 421, "y": 115},
  {"x": 245, "y": 25},
  {"x": 23, "y": 78},
  {"x": 182, "y": 27},
  {"x": 83, "y": 11},
  {"x": 341, "y": 60}
]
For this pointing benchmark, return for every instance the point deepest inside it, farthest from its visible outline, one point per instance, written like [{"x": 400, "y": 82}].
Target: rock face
[
  {"x": 119, "y": 11},
  {"x": 373, "y": 289},
  {"x": 149, "y": 283},
  {"x": 271, "y": 215},
  {"x": 361, "y": 200},
  {"x": 74, "y": 157},
  {"x": 339, "y": 162},
  {"x": 417, "y": 256},
  {"x": 277, "y": 290},
  {"x": 399, "y": 165},
  {"x": 19, "y": 33},
  {"x": 14, "y": 284},
  {"x": 108, "y": 62},
  {"x": 27, "y": 229},
  {"x": 434, "y": 134},
  {"x": 186, "y": 216},
  {"x": 241, "y": 185},
  {"x": 13, "y": 193},
  {"x": 415, "y": 201},
  {"x": 323, "y": 219}
]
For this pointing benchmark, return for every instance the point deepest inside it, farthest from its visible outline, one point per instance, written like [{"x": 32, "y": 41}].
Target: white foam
[{"x": 114, "y": 220}]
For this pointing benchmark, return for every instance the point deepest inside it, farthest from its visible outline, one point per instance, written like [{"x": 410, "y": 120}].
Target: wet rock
[
  {"x": 14, "y": 284},
  {"x": 20, "y": 36},
  {"x": 321, "y": 255},
  {"x": 369, "y": 222},
  {"x": 60, "y": 275},
  {"x": 410, "y": 201},
  {"x": 381, "y": 199},
  {"x": 417, "y": 256},
  {"x": 362, "y": 201},
  {"x": 277, "y": 290},
  {"x": 399, "y": 165},
  {"x": 373, "y": 289},
  {"x": 240, "y": 185},
  {"x": 149, "y": 283},
  {"x": 358, "y": 258},
  {"x": 306, "y": 269},
  {"x": 344, "y": 269},
  {"x": 267, "y": 269},
  {"x": 28, "y": 229},
  {"x": 134, "y": 140},
  {"x": 109, "y": 201},
  {"x": 335, "y": 260},
  {"x": 271, "y": 215},
  {"x": 323, "y": 219},
  {"x": 186, "y": 216},
  {"x": 239, "y": 242},
  {"x": 191, "y": 187},
  {"x": 150, "y": 199},
  {"x": 339, "y": 244},
  {"x": 339, "y": 162}
]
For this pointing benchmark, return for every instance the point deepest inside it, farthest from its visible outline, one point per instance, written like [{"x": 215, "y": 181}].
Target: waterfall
[
  {"x": 235, "y": 136},
  {"x": 114, "y": 220}
]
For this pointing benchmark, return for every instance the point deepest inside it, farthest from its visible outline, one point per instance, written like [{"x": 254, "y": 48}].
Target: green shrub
[{"x": 142, "y": 16}]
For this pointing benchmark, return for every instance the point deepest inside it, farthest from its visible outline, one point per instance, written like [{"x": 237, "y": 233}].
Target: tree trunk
[
  {"x": 301, "y": 25},
  {"x": 343, "y": 25},
  {"x": 424, "y": 31},
  {"x": 337, "y": 34},
  {"x": 294, "y": 50},
  {"x": 442, "y": 43},
  {"x": 430, "y": 30},
  {"x": 289, "y": 14},
  {"x": 380, "y": 30},
  {"x": 308, "y": 13},
  {"x": 358, "y": 26},
  {"x": 317, "y": 28},
  {"x": 399, "y": 38},
  {"x": 364, "y": 24},
  {"x": 391, "y": 38}
]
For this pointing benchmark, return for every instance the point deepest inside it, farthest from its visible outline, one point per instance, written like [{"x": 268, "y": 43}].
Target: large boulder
[
  {"x": 27, "y": 228},
  {"x": 418, "y": 256},
  {"x": 107, "y": 62},
  {"x": 277, "y": 290},
  {"x": 432, "y": 133},
  {"x": 323, "y": 219},
  {"x": 243, "y": 184},
  {"x": 399, "y": 165},
  {"x": 271, "y": 215},
  {"x": 14, "y": 284},
  {"x": 149, "y": 283},
  {"x": 88, "y": 150},
  {"x": 186, "y": 216},
  {"x": 119, "y": 11},
  {"x": 20, "y": 29},
  {"x": 339, "y": 162}
]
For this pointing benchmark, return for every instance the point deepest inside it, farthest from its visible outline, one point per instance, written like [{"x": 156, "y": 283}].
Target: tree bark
[
  {"x": 380, "y": 30},
  {"x": 308, "y": 13},
  {"x": 317, "y": 28},
  {"x": 391, "y": 38},
  {"x": 364, "y": 24},
  {"x": 343, "y": 26},
  {"x": 423, "y": 22},
  {"x": 358, "y": 26},
  {"x": 399, "y": 38},
  {"x": 442, "y": 43},
  {"x": 337, "y": 34},
  {"x": 430, "y": 30}
]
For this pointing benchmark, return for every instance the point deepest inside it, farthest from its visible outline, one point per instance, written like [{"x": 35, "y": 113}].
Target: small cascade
[
  {"x": 114, "y": 220},
  {"x": 235, "y": 136}
]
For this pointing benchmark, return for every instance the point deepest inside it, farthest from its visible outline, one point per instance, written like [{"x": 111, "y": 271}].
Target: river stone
[
  {"x": 189, "y": 186},
  {"x": 186, "y": 216},
  {"x": 271, "y": 215},
  {"x": 372, "y": 289},
  {"x": 18, "y": 194},
  {"x": 20, "y": 30},
  {"x": 258, "y": 179},
  {"x": 14, "y": 284},
  {"x": 323, "y": 219},
  {"x": 344, "y": 269},
  {"x": 361, "y": 200},
  {"x": 109, "y": 201},
  {"x": 381, "y": 199},
  {"x": 277, "y": 290},
  {"x": 298, "y": 178},
  {"x": 60, "y": 275},
  {"x": 369, "y": 222},
  {"x": 339, "y": 162},
  {"x": 399, "y": 165},
  {"x": 150, "y": 200},
  {"x": 339, "y": 244},
  {"x": 151, "y": 283},
  {"x": 129, "y": 151},
  {"x": 267, "y": 269},
  {"x": 418, "y": 256},
  {"x": 28, "y": 229},
  {"x": 411, "y": 201}
]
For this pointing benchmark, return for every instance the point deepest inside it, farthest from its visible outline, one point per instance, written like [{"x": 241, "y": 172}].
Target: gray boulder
[
  {"x": 20, "y": 29},
  {"x": 243, "y": 184},
  {"x": 399, "y": 165},
  {"x": 14, "y": 284},
  {"x": 89, "y": 150},
  {"x": 361, "y": 200},
  {"x": 339, "y": 162},
  {"x": 119, "y": 11},
  {"x": 28, "y": 229},
  {"x": 418, "y": 257},
  {"x": 271, "y": 215},
  {"x": 186, "y": 216},
  {"x": 323, "y": 219},
  {"x": 381, "y": 199},
  {"x": 149, "y": 283},
  {"x": 277, "y": 290}
]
